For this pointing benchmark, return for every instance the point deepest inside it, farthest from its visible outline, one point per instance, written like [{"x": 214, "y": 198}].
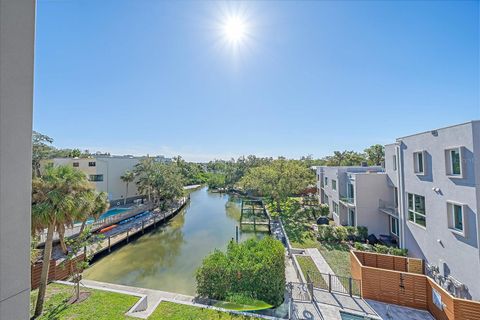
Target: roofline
[{"x": 442, "y": 128}]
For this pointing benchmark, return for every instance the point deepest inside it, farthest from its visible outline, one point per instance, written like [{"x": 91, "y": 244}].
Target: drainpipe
[{"x": 401, "y": 192}]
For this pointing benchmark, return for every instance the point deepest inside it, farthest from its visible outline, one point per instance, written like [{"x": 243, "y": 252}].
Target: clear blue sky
[{"x": 157, "y": 77}]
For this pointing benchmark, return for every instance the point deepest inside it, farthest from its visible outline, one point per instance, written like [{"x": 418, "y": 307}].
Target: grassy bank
[
  {"x": 100, "y": 305},
  {"x": 104, "y": 305},
  {"x": 308, "y": 266}
]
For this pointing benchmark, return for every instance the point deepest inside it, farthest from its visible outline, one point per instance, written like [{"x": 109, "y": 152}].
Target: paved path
[
  {"x": 153, "y": 296},
  {"x": 321, "y": 264}
]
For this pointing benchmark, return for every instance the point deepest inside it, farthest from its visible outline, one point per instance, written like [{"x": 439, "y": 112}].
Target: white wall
[{"x": 17, "y": 27}]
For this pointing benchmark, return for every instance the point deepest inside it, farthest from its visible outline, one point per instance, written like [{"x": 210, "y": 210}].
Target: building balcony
[
  {"x": 348, "y": 201},
  {"x": 388, "y": 208}
]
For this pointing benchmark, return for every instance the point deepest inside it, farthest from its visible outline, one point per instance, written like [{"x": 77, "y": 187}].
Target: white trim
[
  {"x": 449, "y": 162},
  {"x": 416, "y": 163},
  {"x": 451, "y": 218}
]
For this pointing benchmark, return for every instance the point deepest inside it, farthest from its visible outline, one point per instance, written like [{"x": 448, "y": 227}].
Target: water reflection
[{"x": 166, "y": 259}]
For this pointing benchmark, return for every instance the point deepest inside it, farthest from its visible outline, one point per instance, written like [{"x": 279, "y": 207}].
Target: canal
[{"x": 167, "y": 257}]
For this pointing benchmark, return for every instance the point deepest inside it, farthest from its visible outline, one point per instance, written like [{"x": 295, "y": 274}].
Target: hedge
[
  {"x": 254, "y": 268},
  {"x": 378, "y": 248},
  {"x": 329, "y": 233}
]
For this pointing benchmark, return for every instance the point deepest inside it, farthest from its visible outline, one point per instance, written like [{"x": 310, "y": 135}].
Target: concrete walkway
[{"x": 322, "y": 265}]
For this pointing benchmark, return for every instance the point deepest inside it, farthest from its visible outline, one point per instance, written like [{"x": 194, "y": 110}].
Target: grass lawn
[
  {"x": 302, "y": 236},
  {"x": 308, "y": 266},
  {"x": 104, "y": 305},
  {"x": 101, "y": 305},
  {"x": 174, "y": 311}
]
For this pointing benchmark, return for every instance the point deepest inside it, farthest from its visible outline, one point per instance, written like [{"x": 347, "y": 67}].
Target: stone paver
[{"x": 394, "y": 312}]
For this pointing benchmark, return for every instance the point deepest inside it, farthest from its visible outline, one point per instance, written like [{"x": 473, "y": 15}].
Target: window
[
  {"x": 350, "y": 192},
  {"x": 416, "y": 209},
  {"x": 96, "y": 177},
  {"x": 456, "y": 218},
  {"x": 335, "y": 208},
  {"x": 419, "y": 162},
  {"x": 325, "y": 199},
  {"x": 395, "y": 196},
  {"x": 76, "y": 164},
  {"x": 334, "y": 184},
  {"x": 394, "y": 226},
  {"x": 92, "y": 164},
  {"x": 394, "y": 163},
  {"x": 453, "y": 159},
  {"x": 326, "y": 181}
]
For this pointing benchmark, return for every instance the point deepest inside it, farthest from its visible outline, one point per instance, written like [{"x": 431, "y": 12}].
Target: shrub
[
  {"x": 254, "y": 268},
  {"x": 341, "y": 233},
  {"x": 378, "y": 248},
  {"x": 324, "y": 210},
  {"x": 326, "y": 233},
  {"x": 362, "y": 233}
]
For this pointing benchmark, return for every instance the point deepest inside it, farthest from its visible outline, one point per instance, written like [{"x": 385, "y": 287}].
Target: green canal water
[{"x": 166, "y": 258}]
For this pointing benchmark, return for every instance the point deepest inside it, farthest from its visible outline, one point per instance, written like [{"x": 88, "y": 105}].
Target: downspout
[{"x": 401, "y": 192}]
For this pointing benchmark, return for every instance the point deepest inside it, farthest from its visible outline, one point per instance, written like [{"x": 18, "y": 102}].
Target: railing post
[
  {"x": 127, "y": 234},
  {"x": 154, "y": 222},
  {"x": 143, "y": 223},
  {"x": 350, "y": 286},
  {"x": 109, "y": 247},
  {"x": 329, "y": 282}
]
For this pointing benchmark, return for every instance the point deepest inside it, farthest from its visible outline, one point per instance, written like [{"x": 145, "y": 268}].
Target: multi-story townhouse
[
  {"x": 104, "y": 173},
  {"x": 433, "y": 191},
  {"x": 352, "y": 194}
]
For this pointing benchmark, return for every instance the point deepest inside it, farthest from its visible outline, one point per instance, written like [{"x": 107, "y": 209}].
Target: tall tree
[
  {"x": 55, "y": 197},
  {"x": 375, "y": 154},
  {"x": 278, "y": 180},
  {"x": 127, "y": 177},
  {"x": 167, "y": 183},
  {"x": 41, "y": 150},
  {"x": 145, "y": 172}
]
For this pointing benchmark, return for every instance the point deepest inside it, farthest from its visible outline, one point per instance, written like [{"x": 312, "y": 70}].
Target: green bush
[
  {"x": 341, "y": 233},
  {"x": 254, "y": 268},
  {"x": 378, "y": 248},
  {"x": 362, "y": 233}
]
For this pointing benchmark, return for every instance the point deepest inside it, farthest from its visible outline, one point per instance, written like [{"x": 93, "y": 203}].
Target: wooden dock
[{"x": 253, "y": 212}]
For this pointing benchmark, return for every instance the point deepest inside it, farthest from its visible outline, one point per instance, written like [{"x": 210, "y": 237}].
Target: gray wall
[
  {"x": 437, "y": 244},
  {"x": 369, "y": 188},
  {"x": 17, "y": 26}
]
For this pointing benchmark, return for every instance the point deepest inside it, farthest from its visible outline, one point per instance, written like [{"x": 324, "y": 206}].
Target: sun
[{"x": 235, "y": 30}]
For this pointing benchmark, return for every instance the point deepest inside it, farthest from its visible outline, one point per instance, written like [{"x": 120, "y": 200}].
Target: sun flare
[{"x": 235, "y": 29}]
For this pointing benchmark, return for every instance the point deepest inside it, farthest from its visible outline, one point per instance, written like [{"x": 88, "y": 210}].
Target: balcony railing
[
  {"x": 388, "y": 207},
  {"x": 348, "y": 200}
]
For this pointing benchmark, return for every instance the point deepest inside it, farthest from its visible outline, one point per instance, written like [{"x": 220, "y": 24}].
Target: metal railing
[{"x": 334, "y": 283}]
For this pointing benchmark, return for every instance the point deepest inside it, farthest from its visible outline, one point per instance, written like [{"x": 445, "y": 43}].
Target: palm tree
[
  {"x": 95, "y": 203},
  {"x": 127, "y": 177},
  {"x": 55, "y": 199},
  {"x": 145, "y": 172}
]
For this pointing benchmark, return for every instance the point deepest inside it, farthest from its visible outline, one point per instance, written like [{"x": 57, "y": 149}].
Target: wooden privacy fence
[
  {"x": 398, "y": 280},
  {"x": 60, "y": 271}
]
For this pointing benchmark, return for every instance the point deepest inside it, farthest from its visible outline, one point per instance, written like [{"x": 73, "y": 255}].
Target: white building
[{"x": 104, "y": 174}]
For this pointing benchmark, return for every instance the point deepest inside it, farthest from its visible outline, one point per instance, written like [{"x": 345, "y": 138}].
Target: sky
[{"x": 306, "y": 78}]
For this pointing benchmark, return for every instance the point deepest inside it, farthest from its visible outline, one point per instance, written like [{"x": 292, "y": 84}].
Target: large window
[
  {"x": 334, "y": 184},
  {"x": 96, "y": 177},
  {"x": 394, "y": 162},
  {"x": 92, "y": 164},
  {"x": 326, "y": 181},
  {"x": 416, "y": 209},
  {"x": 419, "y": 162},
  {"x": 334, "y": 207},
  {"x": 453, "y": 159},
  {"x": 394, "y": 225},
  {"x": 325, "y": 200},
  {"x": 456, "y": 217},
  {"x": 350, "y": 192}
]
